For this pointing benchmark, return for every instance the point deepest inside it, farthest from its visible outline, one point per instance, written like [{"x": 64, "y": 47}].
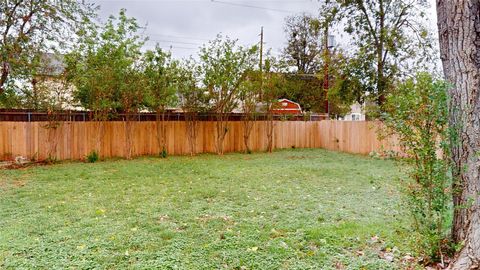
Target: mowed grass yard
[{"x": 293, "y": 209}]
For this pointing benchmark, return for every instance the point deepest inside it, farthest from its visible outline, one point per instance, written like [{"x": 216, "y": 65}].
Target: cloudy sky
[{"x": 183, "y": 25}]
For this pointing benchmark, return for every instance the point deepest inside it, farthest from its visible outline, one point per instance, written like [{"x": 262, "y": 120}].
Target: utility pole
[
  {"x": 261, "y": 51},
  {"x": 326, "y": 67},
  {"x": 260, "y": 65}
]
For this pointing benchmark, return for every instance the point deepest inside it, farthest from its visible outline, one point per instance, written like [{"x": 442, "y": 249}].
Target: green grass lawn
[{"x": 296, "y": 209}]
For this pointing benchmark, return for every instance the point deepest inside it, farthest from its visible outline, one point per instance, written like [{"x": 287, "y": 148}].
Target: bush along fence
[{"x": 77, "y": 140}]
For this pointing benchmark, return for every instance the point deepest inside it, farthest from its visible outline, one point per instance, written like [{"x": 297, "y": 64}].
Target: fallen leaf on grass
[
  {"x": 339, "y": 266},
  {"x": 387, "y": 256},
  {"x": 360, "y": 253}
]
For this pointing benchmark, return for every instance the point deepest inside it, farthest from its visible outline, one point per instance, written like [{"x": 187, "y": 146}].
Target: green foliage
[
  {"x": 28, "y": 29},
  {"x": 307, "y": 90},
  {"x": 304, "y": 43},
  {"x": 348, "y": 85},
  {"x": 192, "y": 98},
  {"x": 164, "y": 153},
  {"x": 388, "y": 37},
  {"x": 344, "y": 88},
  {"x": 418, "y": 115},
  {"x": 223, "y": 68},
  {"x": 273, "y": 83},
  {"x": 93, "y": 157},
  {"x": 160, "y": 73},
  {"x": 294, "y": 209},
  {"x": 104, "y": 67},
  {"x": 250, "y": 92}
]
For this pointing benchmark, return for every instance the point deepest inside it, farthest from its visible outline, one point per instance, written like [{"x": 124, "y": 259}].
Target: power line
[
  {"x": 182, "y": 48},
  {"x": 180, "y": 37},
  {"x": 252, "y": 6},
  {"x": 173, "y": 47},
  {"x": 173, "y": 41}
]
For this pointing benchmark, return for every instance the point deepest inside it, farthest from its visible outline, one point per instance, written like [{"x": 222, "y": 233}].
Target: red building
[{"x": 286, "y": 106}]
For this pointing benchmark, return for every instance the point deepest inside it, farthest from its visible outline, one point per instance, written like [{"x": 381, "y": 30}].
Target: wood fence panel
[{"x": 75, "y": 140}]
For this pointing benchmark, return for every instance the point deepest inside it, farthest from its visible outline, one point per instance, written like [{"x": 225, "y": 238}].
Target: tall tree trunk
[
  {"x": 100, "y": 117},
  {"x": 191, "y": 119},
  {"x": 100, "y": 127},
  {"x": 5, "y": 70},
  {"x": 222, "y": 129},
  {"x": 35, "y": 94},
  {"x": 380, "y": 63},
  {"x": 128, "y": 135},
  {"x": 53, "y": 135},
  {"x": 161, "y": 132},
  {"x": 247, "y": 130},
  {"x": 270, "y": 132},
  {"x": 459, "y": 31}
]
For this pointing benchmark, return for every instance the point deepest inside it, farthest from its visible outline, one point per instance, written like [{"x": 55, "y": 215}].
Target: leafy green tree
[
  {"x": 131, "y": 95},
  {"x": 417, "y": 112},
  {"x": 272, "y": 86},
  {"x": 346, "y": 84},
  {"x": 249, "y": 97},
  {"x": 304, "y": 43},
  {"x": 192, "y": 99},
  {"x": 106, "y": 72},
  {"x": 53, "y": 96},
  {"x": 305, "y": 89},
  {"x": 223, "y": 67},
  {"x": 161, "y": 91},
  {"x": 29, "y": 28},
  {"x": 389, "y": 37}
]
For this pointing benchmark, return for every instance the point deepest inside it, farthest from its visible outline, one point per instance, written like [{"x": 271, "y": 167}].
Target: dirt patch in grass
[{"x": 19, "y": 181}]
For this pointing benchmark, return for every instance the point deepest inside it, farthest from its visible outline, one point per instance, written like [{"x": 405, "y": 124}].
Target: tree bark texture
[
  {"x": 191, "y": 126},
  {"x": 221, "y": 131},
  {"x": 161, "y": 130},
  {"x": 459, "y": 32},
  {"x": 129, "y": 130},
  {"x": 270, "y": 132},
  {"x": 247, "y": 130}
]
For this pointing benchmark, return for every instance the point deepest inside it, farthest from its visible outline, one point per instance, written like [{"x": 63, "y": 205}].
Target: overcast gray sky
[{"x": 186, "y": 24}]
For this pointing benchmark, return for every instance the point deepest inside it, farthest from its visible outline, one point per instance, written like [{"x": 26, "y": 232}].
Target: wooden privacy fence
[{"x": 75, "y": 140}]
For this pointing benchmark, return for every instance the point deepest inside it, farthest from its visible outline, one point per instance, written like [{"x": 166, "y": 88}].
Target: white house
[{"x": 357, "y": 113}]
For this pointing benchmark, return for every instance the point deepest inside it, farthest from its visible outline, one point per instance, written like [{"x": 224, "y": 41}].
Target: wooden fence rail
[{"x": 75, "y": 140}]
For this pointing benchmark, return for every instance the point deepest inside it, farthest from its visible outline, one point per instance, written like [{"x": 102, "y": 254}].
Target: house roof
[{"x": 288, "y": 100}]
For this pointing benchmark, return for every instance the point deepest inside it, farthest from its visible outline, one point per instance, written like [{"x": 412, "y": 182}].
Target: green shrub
[
  {"x": 417, "y": 112},
  {"x": 93, "y": 157},
  {"x": 164, "y": 153}
]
